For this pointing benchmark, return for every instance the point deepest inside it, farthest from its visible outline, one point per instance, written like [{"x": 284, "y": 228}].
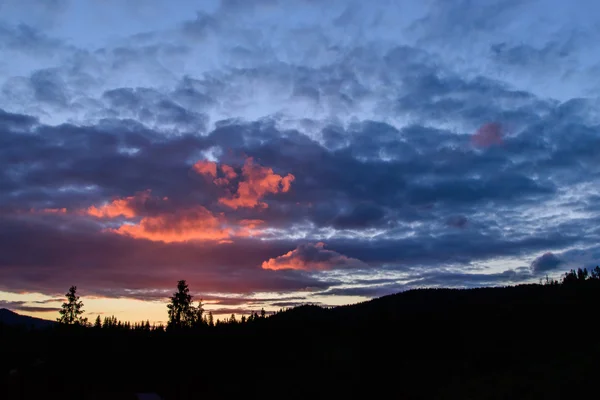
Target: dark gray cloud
[
  {"x": 79, "y": 166},
  {"x": 26, "y": 38},
  {"x": 432, "y": 279},
  {"x": 26, "y": 306},
  {"x": 457, "y": 221},
  {"x": 546, "y": 262}
]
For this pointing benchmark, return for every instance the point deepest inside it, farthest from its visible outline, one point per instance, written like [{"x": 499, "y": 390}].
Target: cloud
[
  {"x": 291, "y": 304},
  {"x": 49, "y": 211},
  {"x": 125, "y": 207},
  {"x": 113, "y": 265},
  {"x": 488, "y": 135},
  {"x": 363, "y": 215},
  {"x": 432, "y": 279},
  {"x": 11, "y": 121},
  {"x": 38, "y": 309},
  {"x": 25, "y": 306},
  {"x": 256, "y": 182},
  {"x": 312, "y": 257},
  {"x": 546, "y": 262},
  {"x": 237, "y": 300},
  {"x": 183, "y": 225},
  {"x": 208, "y": 168},
  {"x": 457, "y": 221}
]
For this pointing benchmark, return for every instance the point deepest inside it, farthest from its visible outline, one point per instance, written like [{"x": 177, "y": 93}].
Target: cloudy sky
[{"x": 274, "y": 152}]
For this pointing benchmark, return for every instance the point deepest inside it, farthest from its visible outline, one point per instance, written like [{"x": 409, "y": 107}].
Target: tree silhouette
[
  {"x": 98, "y": 323},
  {"x": 199, "y": 314},
  {"x": 71, "y": 311},
  {"x": 574, "y": 277},
  {"x": 182, "y": 313}
]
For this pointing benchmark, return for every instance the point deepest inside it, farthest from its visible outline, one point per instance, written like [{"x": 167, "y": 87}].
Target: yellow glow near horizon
[{"x": 126, "y": 309}]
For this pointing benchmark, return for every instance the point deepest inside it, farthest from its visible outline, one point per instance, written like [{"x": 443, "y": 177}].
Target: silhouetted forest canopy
[{"x": 525, "y": 341}]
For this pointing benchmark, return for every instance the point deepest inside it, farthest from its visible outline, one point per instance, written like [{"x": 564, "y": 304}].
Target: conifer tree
[
  {"x": 71, "y": 311},
  {"x": 199, "y": 320},
  {"x": 182, "y": 313}
]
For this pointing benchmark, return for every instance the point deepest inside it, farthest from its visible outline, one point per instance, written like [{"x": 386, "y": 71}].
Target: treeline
[
  {"x": 525, "y": 341},
  {"x": 579, "y": 276},
  {"x": 183, "y": 315},
  {"x": 206, "y": 321}
]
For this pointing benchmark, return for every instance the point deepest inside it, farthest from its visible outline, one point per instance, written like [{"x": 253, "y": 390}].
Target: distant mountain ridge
[{"x": 11, "y": 318}]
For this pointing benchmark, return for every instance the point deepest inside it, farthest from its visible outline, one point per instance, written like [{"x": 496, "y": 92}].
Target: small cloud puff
[
  {"x": 546, "y": 262},
  {"x": 312, "y": 257}
]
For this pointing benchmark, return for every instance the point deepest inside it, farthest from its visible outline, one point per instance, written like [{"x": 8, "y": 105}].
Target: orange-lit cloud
[
  {"x": 207, "y": 168},
  {"x": 195, "y": 223},
  {"x": 228, "y": 171},
  {"x": 488, "y": 135},
  {"x": 256, "y": 182},
  {"x": 191, "y": 224},
  {"x": 124, "y": 207},
  {"x": 250, "y": 227},
  {"x": 228, "y": 175},
  {"x": 251, "y": 223},
  {"x": 312, "y": 257}
]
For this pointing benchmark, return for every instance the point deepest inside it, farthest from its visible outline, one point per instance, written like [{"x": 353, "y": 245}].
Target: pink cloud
[
  {"x": 256, "y": 182},
  {"x": 125, "y": 207},
  {"x": 207, "y": 168},
  {"x": 197, "y": 223},
  {"x": 228, "y": 171},
  {"x": 487, "y": 135},
  {"x": 190, "y": 224},
  {"x": 312, "y": 257},
  {"x": 248, "y": 188}
]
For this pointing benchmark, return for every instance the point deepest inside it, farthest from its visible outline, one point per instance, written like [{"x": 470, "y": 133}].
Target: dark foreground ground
[{"x": 503, "y": 343}]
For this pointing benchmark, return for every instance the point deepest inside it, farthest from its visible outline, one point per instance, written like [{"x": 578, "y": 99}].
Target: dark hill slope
[{"x": 11, "y": 318}]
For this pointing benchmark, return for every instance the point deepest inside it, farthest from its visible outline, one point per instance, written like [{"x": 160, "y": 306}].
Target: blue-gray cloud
[{"x": 546, "y": 262}]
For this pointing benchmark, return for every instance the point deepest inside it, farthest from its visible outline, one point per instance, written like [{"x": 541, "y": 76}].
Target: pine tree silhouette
[
  {"x": 71, "y": 311},
  {"x": 182, "y": 313}
]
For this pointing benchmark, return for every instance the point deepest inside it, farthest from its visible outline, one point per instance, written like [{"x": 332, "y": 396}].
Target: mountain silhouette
[{"x": 8, "y": 317}]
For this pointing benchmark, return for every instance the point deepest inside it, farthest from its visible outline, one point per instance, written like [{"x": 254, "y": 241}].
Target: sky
[{"x": 275, "y": 153}]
